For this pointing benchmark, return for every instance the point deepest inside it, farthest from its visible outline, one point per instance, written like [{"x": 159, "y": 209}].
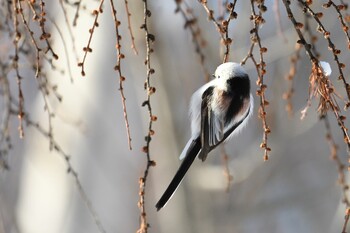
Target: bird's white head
[{"x": 227, "y": 71}]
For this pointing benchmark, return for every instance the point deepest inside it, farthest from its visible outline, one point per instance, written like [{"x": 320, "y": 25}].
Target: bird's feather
[
  {"x": 205, "y": 130},
  {"x": 193, "y": 149}
]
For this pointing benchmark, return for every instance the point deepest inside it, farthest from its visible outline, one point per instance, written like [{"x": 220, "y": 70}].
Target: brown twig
[
  {"x": 332, "y": 145},
  {"x": 338, "y": 9},
  {"x": 222, "y": 27},
  {"x": 31, "y": 35},
  {"x": 17, "y": 36},
  {"x": 258, "y": 20},
  {"x": 341, "y": 167},
  {"x": 225, "y": 24},
  {"x": 41, "y": 79},
  {"x": 211, "y": 17},
  {"x": 40, "y": 18},
  {"x": 76, "y": 15},
  {"x": 133, "y": 46},
  {"x": 322, "y": 86},
  {"x": 227, "y": 174},
  {"x": 287, "y": 96},
  {"x": 149, "y": 38},
  {"x": 118, "y": 68},
  {"x": 319, "y": 84},
  {"x": 331, "y": 46},
  {"x": 88, "y": 49},
  {"x": 346, "y": 219}
]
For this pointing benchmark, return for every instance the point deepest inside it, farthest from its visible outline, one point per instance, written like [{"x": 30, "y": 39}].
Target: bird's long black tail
[{"x": 185, "y": 165}]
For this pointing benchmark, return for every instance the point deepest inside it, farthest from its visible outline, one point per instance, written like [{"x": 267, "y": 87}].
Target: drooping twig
[
  {"x": 42, "y": 20},
  {"x": 319, "y": 84},
  {"x": 211, "y": 17},
  {"x": 341, "y": 167},
  {"x": 17, "y": 36},
  {"x": 88, "y": 49},
  {"x": 41, "y": 80},
  {"x": 31, "y": 35},
  {"x": 149, "y": 38},
  {"x": 287, "y": 96},
  {"x": 133, "y": 46},
  {"x": 321, "y": 28},
  {"x": 338, "y": 9},
  {"x": 76, "y": 15},
  {"x": 222, "y": 27},
  {"x": 225, "y": 24},
  {"x": 227, "y": 173},
  {"x": 260, "y": 67},
  {"x": 118, "y": 68}
]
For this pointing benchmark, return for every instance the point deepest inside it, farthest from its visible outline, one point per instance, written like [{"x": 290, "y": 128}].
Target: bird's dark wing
[
  {"x": 185, "y": 165},
  {"x": 207, "y": 124},
  {"x": 216, "y": 128}
]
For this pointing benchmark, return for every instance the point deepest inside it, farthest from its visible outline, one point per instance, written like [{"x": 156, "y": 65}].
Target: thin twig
[
  {"x": 211, "y": 17},
  {"x": 118, "y": 68},
  {"x": 222, "y": 27},
  {"x": 338, "y": 9},
  {"x": 319, "y": 84},
  {"x": 17, "y": 36},
  {"x": 133, "y": 46},
  {"x": 149, "y": 38},
  {"x": 341, "y": 167},
  {"x": 227, "y": 173},
  {"x": 290, "y": 78},
  {"x": 40, "y": 18},
  {"x": 228, "y": 41},
  {"x": 76, "y": 15},
  {"x": 88, "y": 49},
  {"x": 260, "y": 67},
  {"x": 331, "y": 45},
  {"x": 33, "y": 40}
]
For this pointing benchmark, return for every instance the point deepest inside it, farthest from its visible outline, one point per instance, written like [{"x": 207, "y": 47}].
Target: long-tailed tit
[{"x": 218, "y": 110}]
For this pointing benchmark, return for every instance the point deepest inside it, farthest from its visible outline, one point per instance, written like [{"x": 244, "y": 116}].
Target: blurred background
[{"x": 296, "y": 190}]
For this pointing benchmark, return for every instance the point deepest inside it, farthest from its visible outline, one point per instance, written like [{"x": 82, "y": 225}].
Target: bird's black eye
[{"x": 218, "y": 76}]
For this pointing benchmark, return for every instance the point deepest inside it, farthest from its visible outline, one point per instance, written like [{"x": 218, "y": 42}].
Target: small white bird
[{"x": 219, "y": 109}]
